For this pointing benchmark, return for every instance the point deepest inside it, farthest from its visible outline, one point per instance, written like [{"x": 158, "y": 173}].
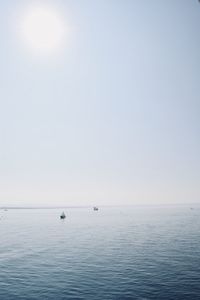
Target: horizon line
[{"x": 89, "y": 206}]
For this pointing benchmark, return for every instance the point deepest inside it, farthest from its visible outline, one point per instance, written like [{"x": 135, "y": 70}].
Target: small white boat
[{"x": 62, "y": 216}]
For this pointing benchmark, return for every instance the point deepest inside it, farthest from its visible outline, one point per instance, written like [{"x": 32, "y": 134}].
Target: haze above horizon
[{"x": 103, "y": 108}]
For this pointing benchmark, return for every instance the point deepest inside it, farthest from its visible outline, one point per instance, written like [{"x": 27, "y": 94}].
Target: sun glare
[{"x": 42, "y": 30}]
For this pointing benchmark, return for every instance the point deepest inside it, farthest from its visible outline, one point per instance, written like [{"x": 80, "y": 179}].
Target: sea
[{"x": 122, "y": 253}]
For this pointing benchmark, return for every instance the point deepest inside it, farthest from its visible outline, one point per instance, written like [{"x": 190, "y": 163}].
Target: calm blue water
[{"x": 115, "y": 253}]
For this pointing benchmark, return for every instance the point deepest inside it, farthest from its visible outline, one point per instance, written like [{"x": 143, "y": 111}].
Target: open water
[{"x": 115, "y": 253}]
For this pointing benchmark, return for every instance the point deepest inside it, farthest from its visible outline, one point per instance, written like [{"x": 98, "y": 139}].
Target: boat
[
  {"x": 62, "y": 216},
  {"x": 95, "y": 208}
]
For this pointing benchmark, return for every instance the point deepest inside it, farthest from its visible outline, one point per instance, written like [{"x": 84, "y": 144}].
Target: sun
[{"x": 42, "y": 29}]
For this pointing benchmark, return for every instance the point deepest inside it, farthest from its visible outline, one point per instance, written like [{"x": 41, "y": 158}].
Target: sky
[{"x": 109, "y": 118}]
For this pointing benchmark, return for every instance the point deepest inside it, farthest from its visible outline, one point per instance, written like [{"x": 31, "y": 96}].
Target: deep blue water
[{"x": 115, "y": 253}]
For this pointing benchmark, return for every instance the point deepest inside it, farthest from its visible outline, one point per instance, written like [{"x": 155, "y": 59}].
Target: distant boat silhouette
[
  {"x": 62, "y": 216},
  {"x": 95, "y": 208}
]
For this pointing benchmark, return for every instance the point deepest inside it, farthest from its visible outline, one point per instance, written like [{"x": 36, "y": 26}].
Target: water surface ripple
[{"x": 115, "y": 253}]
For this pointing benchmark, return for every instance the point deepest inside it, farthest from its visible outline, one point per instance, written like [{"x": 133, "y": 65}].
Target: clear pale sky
[{"x": 113, "y": 117}]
